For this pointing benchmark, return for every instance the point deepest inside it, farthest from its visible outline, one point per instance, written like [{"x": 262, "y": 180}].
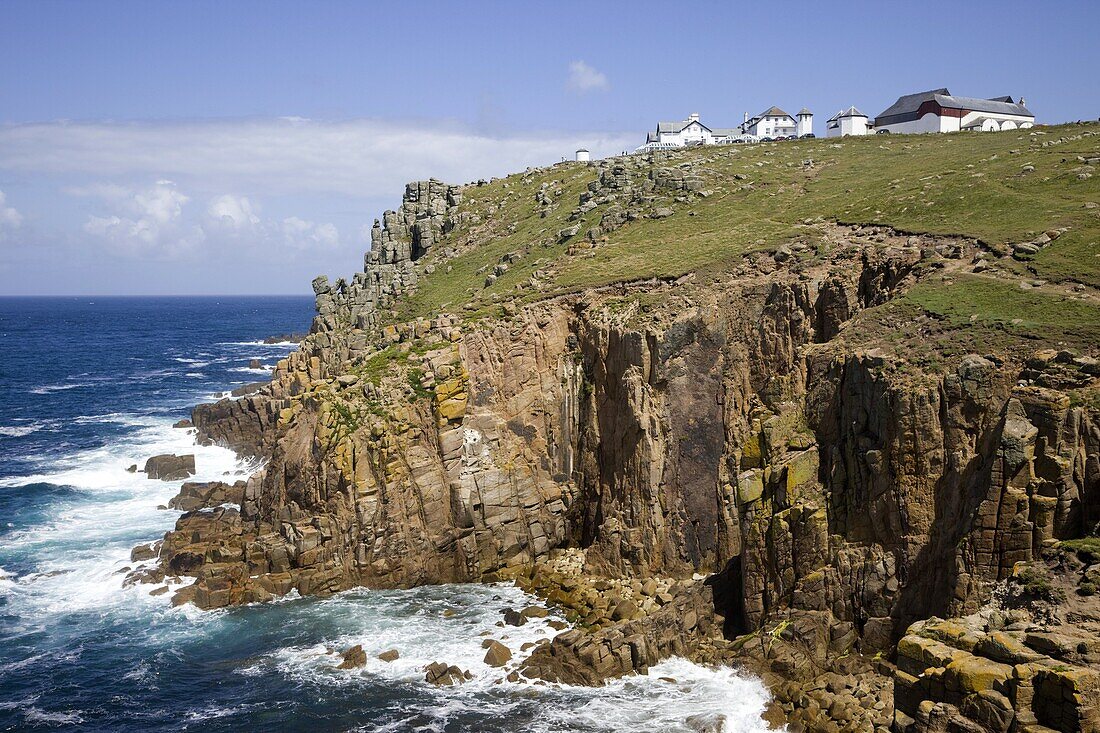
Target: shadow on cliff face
[{"x": 727, "y": 595}]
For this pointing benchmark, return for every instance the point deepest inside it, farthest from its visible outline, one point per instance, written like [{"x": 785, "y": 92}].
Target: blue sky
[{"x": 201, "y": 147}]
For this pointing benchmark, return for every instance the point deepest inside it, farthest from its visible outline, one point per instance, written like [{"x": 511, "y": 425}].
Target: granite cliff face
[{"x": 744, "y": 467}]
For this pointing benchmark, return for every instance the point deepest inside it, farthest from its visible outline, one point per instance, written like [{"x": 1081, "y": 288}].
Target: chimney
[
  {"x": 694, "y": 117},
  {"x": 746, "y": 117},
  {"x": 1022, "y": 103}
]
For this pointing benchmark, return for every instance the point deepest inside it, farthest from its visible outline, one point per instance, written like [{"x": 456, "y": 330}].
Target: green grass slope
[{"x": 1001, "y": 188}]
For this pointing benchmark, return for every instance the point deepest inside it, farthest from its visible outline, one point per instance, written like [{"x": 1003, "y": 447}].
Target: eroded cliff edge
[{"x": 791, "y": 462}]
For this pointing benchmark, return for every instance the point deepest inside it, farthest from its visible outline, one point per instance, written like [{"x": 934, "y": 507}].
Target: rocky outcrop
[
  {"x": 195, "y": 496},
  {"x": 972, "y": 676},
  {"x": 741, "y": 470},
  {"x": 169, "y": 467}
]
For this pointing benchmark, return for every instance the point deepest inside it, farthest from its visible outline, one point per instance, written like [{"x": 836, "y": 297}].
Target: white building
[
  {"x": 684, "y": 133},
  {"x": 583, "y": 155},
  {"x": 847, "y": 122},
  {"x": 938, "y": 111},
  {"x": 774, "y": 122}
]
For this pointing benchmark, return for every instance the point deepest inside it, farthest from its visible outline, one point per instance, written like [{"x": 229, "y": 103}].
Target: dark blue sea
[{"x": 89, "y": 386}]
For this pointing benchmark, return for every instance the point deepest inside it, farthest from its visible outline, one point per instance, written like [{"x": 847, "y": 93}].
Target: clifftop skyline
[{"x": 148, "y": 150}]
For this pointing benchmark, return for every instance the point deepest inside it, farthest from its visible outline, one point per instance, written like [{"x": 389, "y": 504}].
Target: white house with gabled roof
[
  {"x": 687, "y": 132},
  {"x": 847, "y": 122},
  {"x": 774, "y": 122}
]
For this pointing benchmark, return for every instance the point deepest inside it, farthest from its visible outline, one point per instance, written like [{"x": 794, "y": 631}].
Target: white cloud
[
  {"x": 583, "y": 78},
  {"x": 283, "y": 196},
  {"x": 301, "y": 234},
  {"x": 233, "y": 212},
  {"x": 9, "y": 217},
  {"x": 142, "y": 220},
  {"x": 356, "y": 158}
]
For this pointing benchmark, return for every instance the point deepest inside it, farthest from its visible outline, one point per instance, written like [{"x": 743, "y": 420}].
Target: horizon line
[{"x": 157, "y": 295}]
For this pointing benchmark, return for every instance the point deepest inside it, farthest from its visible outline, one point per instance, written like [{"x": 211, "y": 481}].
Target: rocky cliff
[{"x": 802, "y": 459}]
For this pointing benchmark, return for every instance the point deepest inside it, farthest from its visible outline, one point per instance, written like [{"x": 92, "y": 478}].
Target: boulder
[
  {"x": 440, "y": 673},
  {"x": 498, "y": 655},
  {"x": 534, "y": 612},
  {"x": 390, "y": 655},
  {"x": 354, "y": 657},
  {"x": 248, "y": 389},
  {"x": 169, "y": 467},
  {"x": 625, "y": 609},
  {"x": 144, "y": 552},
  {"x": 254, "y": 364},
  {"x": 513, "y": 617},
  {"x": 184, "y": 423},
  {"x": 203, "y": 495}
]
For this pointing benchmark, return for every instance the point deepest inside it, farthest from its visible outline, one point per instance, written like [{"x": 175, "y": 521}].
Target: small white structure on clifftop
[
  {"x": 847, "y": 122},
  {"x": 583, "y": 156},
  {"x": 940, "y": 111}
]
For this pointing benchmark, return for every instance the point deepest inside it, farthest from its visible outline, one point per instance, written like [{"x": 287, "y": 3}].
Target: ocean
[{"x": 89, "y": 386}]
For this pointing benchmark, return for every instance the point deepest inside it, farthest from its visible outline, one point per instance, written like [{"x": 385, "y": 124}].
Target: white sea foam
[
  {"x": 212, "y": 712},
  {"x": 417, "y": 623},
  {"x": 18, "y": 431},
  {"x": 81, "y": 550},
  {"x": 261, "y": 344},
  {"x": 36, "y": 715},
  {"x": 49, "y": 388}
]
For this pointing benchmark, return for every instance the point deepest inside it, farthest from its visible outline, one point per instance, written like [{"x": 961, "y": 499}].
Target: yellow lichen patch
[
  {"x": 751, "y": 456},
  {"x": 451, "y": 396},
  {"x": 801, "y": 470},
  {"x": 287, "y": 414},
  {"x": 750, "y": 486},
  {"x": 975, "y": 674}
]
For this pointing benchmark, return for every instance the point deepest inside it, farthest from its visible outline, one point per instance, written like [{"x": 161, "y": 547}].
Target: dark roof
[
  {"x": 773, "y": 112},
  {"x": 850, "y": 112},
  {"x": 804, "y": 111},
  {"x": 907, "y": 105},
  {"x": 1000, "y": 105},
  {"x": 725, "y": 131},
  {"x": 910, "y": 103}
]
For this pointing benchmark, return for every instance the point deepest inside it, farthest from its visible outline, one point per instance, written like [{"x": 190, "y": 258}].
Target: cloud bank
[
  {"x": 361, "y": 158},
  {"x": 189, "y": 206}
]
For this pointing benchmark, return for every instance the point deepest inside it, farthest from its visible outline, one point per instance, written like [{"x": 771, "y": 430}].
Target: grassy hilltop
[{"x": 1000, "y": 188}]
